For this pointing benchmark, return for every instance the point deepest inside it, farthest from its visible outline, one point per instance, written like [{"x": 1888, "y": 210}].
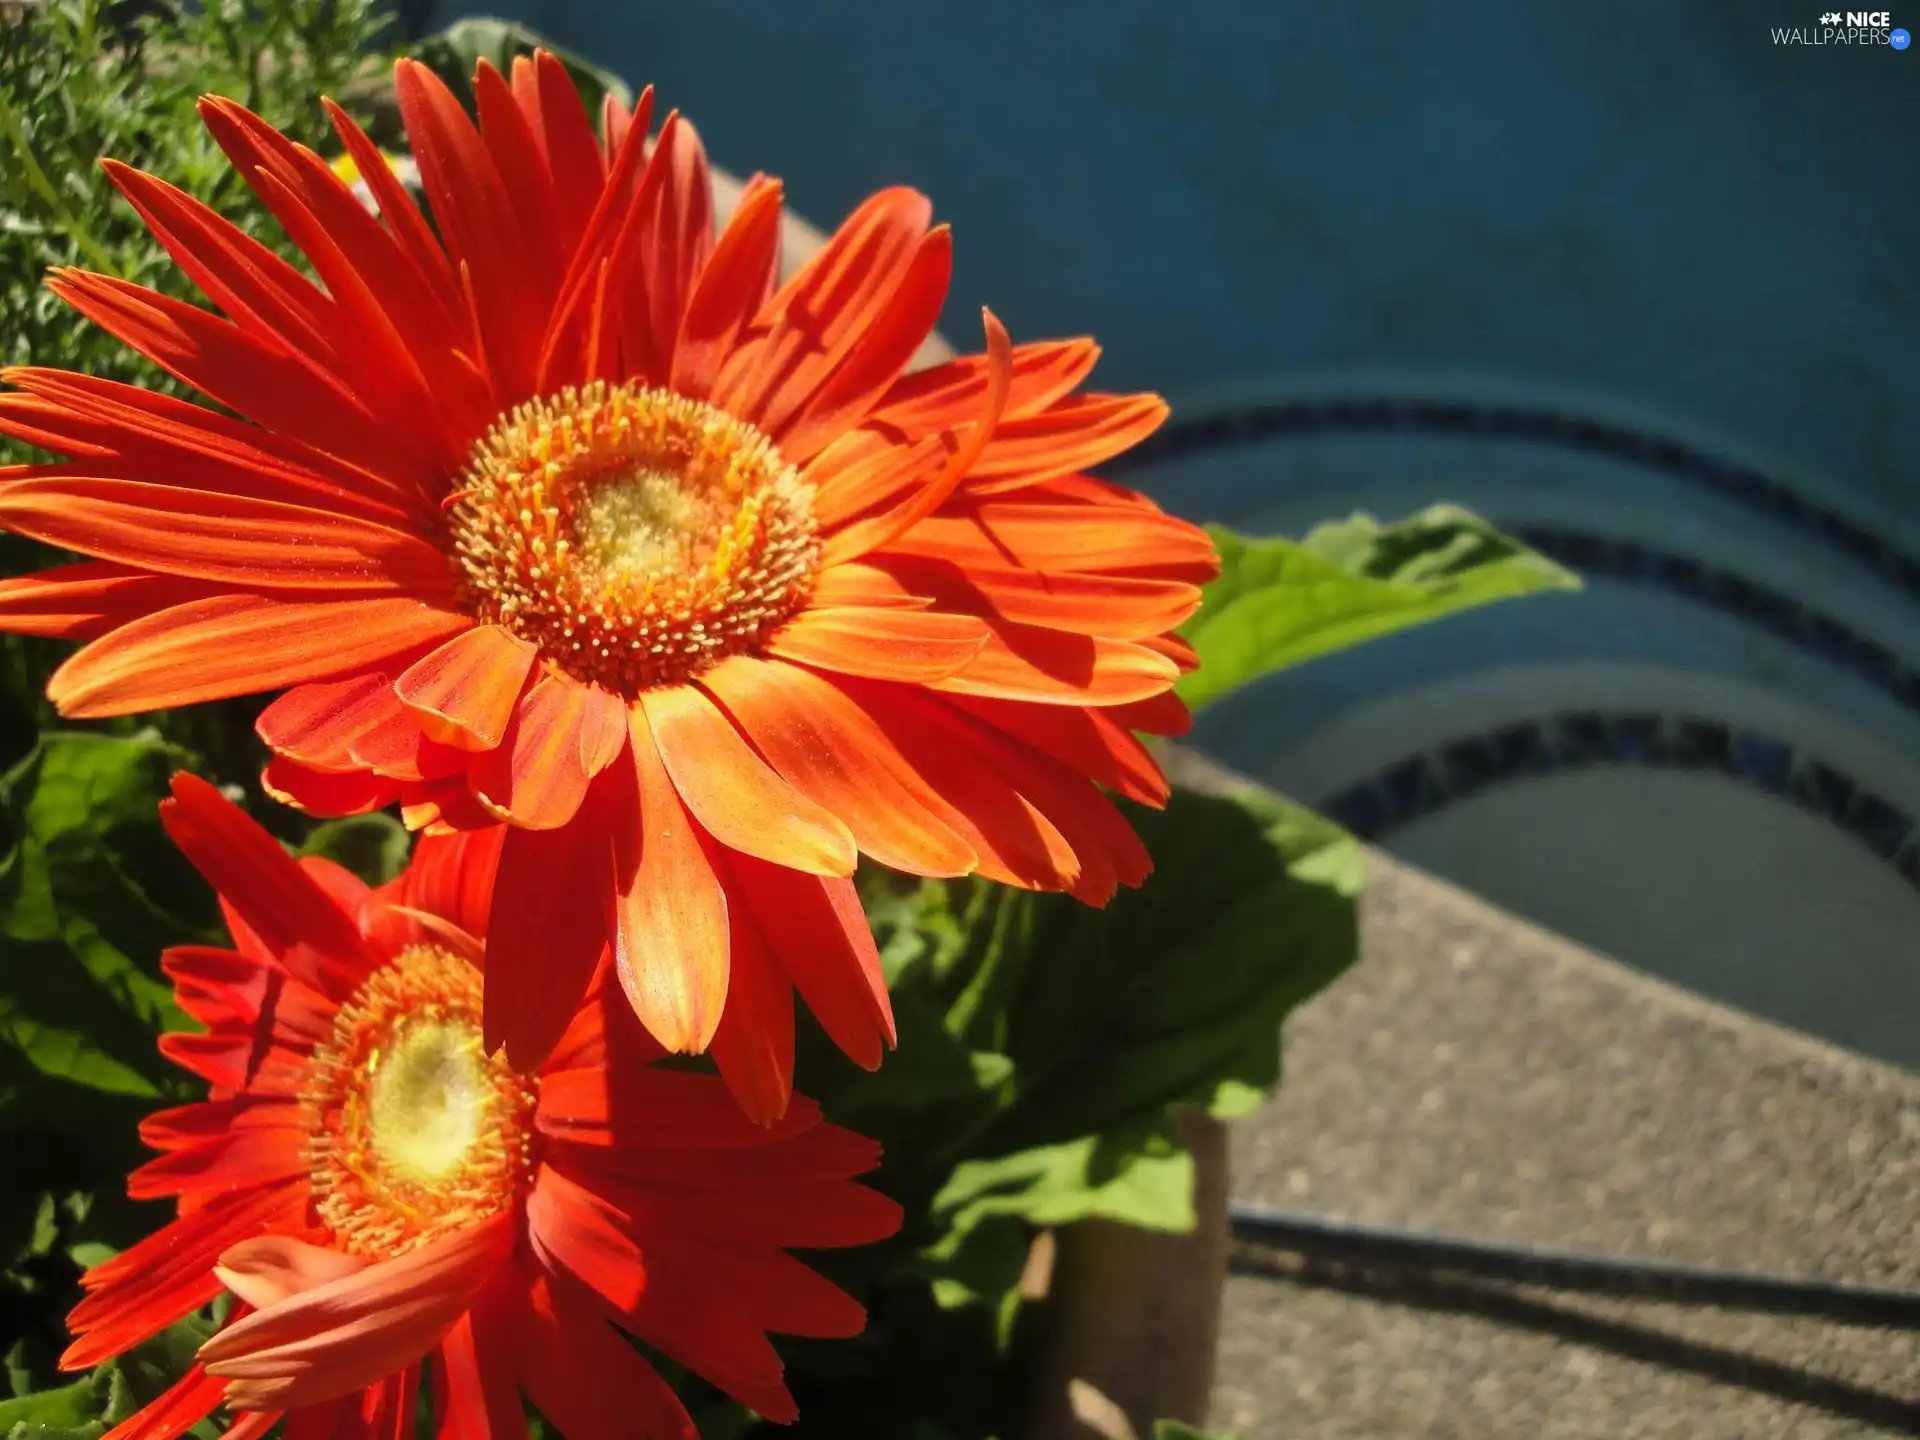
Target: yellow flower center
[
  {"x": 635, "y": 536},
  {"x": 413, "y": 1133}
]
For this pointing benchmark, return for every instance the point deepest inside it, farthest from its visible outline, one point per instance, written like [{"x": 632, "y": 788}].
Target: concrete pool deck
[{"x": 1478, "y": 1076}]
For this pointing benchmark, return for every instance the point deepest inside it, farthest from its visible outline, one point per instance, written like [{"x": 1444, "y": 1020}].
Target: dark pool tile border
[
  {"x": 1823, "y": 636},
  {"x": 1425, "y": 783},
  {"x": 1743, "y": 484}
]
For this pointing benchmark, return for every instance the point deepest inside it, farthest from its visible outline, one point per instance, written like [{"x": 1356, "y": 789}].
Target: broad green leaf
[
  {"x": 110, "y": 1392},
  {"x": 69, "y": 1408},
  {"x": 81, "y": 997},
  {"x": 455, "y": 51},
  {"x": 1143, "y": 1180},
  {"x": 1175, "y": 993},
  {"x": 1279, "y": 602}
]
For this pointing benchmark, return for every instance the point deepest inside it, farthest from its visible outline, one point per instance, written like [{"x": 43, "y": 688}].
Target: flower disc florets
[
  {"x": 635, "y": 536},
  {"x": 414, "y": 1133}
]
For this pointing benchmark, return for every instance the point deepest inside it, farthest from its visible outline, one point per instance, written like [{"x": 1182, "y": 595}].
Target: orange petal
[
  {"x": 534, "y": 777},
  {"x": 827, "y": 747},
  {"x": 732, "y": 793},
  {"x": 808, "y": 327},
  {"x": 273, "y": 1268},
  {"x": 476, "y": 1380},
  {"x": 820, "y": 935},
  {"x": 452, "y": 876},
  {"x": 1043, "y": 534},
  {"x": 1176, "y": 648},
  {"x": 1164, "y": 714},
  {"x": 603, "y": 730},
  {"x": 671, "y": 953},
  {"x": 398, "y": 747},
  {"x": 476, "y": 219},
  {"x": 315, "y": 724},
  {"x": 886, "y": 644},
  {"x": 325, "y": 792},
  {"x": 882, "y": 528},
  {"x": 85, "y": 601},
  {"x": 522, "y": 162},
  {"x": 469, "y": 686},
  {"x": 1088, "y": 740},
  {"x": 587, "y": 1379},
  {"x": 676, "y": 239},
  {"x": 168, "y": 1275},
  {"x": 547, "y": 930},
  {"x": 864, "y": 586},
  {"x": 1120, "y": 607},
  {"x": 145, "y": 435},
  {"x": 753, "y": 1047},
  {"x": 228, "y": 645},
  {"x": 410, "y": 230},
  {"x": 898, "y": 330},
  {"x": 211, "y": 536},
  {"x": 265, "y": 382},
  {"x": 1017, "y": 844},
  {"x": 1040, "y": 372},
  {"x": 713, "y": 1332},
  {"x": 728, "y": 292},
  {"x": 347, "y": 1333},
  {"x": 283, "y": 905},
  {"x": 1109, "y": 852},
  {"x": 1074, "y": 435},
  {"x": 1024, "y": 662},
  {"x": 234, "y": 1160},
  {"x": 573, "y": 154}
]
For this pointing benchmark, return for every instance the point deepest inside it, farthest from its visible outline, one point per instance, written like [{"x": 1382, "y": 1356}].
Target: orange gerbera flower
[
  {"x": 563, "y": 514},
  {"x": 381, "y": 1200}
]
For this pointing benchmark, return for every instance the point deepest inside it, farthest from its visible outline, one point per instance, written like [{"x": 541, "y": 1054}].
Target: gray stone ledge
[{"x": 1477, "y": 1075}]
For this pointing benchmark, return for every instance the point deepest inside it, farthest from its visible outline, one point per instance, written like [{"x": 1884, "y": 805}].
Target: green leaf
[
  {"x": 373, "y": 846},
  {"x": 1144, "y": 1180},
  {"x": 82, "y": 998},
  {"x": 109, "y": 1393},
  {"x": 69, "y": 1408},
  {"x": 454, "y": 53},
  {"x": 1175, "y": 993},
  {"x": 1180, "y": 1430},
  {"x": 1279, "y": 602}
]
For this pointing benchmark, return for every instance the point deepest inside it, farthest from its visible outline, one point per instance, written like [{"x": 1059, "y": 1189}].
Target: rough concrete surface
[{"x": 1478, "y": 1076}]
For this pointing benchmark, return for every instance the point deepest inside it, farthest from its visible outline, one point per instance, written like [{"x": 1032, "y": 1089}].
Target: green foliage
[
  {"x": 1045, "y": 1048},
  {"x": 85, "y": 80},
  {"x": 1180, "y": 1430},
  {"x": 91, "y": 891},
  {"x": 109, "y": 1393},
  {"x": 1279, "y": 602}
]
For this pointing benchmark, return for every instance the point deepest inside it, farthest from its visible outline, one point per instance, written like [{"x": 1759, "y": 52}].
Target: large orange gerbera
[
  {"x": 381, "y": 1200},
  {"x": 566, "y": 516}
]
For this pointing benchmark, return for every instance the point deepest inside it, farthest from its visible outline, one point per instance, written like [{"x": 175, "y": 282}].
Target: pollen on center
[
  {"x": 635, "y": 536},
  {"x": 413, "y": 1132}
]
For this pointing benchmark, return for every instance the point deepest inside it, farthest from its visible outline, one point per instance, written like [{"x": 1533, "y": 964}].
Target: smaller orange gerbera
[{"x": 383, "y": 1201}]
